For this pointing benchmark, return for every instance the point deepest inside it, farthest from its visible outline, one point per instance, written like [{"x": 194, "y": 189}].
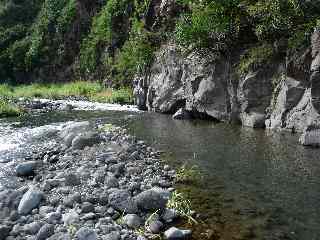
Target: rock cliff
[{"x": 283, "y": 95}]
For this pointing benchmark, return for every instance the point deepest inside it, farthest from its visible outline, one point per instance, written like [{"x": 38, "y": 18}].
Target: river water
[{"x": 262, "y": 183}]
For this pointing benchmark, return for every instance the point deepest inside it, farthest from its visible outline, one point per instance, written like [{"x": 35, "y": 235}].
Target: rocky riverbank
[{"x": 95, "y": 182}]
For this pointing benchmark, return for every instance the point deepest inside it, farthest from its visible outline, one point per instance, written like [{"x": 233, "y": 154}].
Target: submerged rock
[
  {"x": 182, "y": 114},
  {"x": 174, "y": 233}
]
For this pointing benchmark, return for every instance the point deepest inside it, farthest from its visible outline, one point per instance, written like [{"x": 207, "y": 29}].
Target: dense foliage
[{"x": 112, "y": 40}]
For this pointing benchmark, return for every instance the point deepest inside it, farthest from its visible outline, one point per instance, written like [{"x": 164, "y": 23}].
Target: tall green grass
[{"x": 91, "y": 90}]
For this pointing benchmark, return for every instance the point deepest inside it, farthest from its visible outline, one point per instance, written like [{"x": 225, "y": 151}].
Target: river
[{"x": 262, "y": 182}]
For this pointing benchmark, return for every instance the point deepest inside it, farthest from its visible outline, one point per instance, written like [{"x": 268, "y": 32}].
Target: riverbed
[{"x": 256, "y": 185}]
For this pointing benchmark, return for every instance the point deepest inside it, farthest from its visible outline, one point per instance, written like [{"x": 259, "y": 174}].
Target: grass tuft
[
  {"x": 9, "y": 110},
  {"x": 182, "y": 205},
  {"x": 91, "y": 90},
  {"x": 188, "y": 174}
]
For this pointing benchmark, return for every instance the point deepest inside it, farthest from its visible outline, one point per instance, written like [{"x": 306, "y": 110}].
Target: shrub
[
  {"x": 209, "y": 23},
  {"x": 255, "y": 57},
  {"x": 135, "y": 56}
]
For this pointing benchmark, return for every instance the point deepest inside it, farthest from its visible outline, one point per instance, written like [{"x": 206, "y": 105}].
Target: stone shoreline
[{"x": 98, "y": 182}]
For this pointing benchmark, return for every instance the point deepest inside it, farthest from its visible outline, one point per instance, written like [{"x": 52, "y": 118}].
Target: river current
[{"x": 262, "y": 174}]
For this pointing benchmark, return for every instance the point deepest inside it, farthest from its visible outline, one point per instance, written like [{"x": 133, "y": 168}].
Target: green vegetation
[
  {"x": 182, "y": 205},
  {"x": 187, "y": 174},
  {"x": 9, "y": 110},
  {"x": 255, "y": 57},
  {"x": 91, "y": 90},
  {"x": 55, "y": 40}
]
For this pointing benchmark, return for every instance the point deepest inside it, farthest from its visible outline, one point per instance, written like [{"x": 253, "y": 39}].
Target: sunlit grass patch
[
  {"x": 93, "y": 91},
  {"x": 9, "y": 110},
  {"x": 182, "y": 205}
]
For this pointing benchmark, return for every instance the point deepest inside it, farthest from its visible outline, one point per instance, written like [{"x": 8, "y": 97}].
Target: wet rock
[
  {"x": 30, "y": 200},
  {"x": 310, "y": 137},
  {"x": 86, "y": 234},
  {"x": 174, "y": 233},
  {"x": 132, "y": 220},
  {"x": 182, "y": 114},
  {"x": 85, "y": 139},
  {"x": 152, "y": 199},
  {"x": 26, "y": 168},
  {"x": 121, "y": 200},
  {"x": 45, "y": 232}
]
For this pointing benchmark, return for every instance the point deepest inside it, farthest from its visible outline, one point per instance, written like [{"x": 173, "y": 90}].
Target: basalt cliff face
[{"x": 283, "y": 95}]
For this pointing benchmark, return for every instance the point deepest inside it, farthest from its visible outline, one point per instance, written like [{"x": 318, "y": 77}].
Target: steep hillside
[{"x": 112, "y": 40}]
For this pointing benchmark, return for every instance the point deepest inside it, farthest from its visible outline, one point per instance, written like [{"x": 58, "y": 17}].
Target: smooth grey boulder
[
  {"x": 85, "y": 139},
  {"x": 174, "y": 233},
  {"x": 132, "y": 220},
  {"x": 86, "y": 234},
  {"x": 32, "y": 228},
  {"x": 182, "y": 114},
  {"x": 152, "y": 199},
  {"x": 26, "y": 168},
  {"x": 122, "y": 201},
  {"x": 75, "y": 127},
  {"x": 45, "y": 232},
  {"x": 156, "y": 226},
  {"x": 30, "y": 200}
]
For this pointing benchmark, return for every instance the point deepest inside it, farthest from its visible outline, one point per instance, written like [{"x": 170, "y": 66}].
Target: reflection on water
[
  {"x": 268, "y": 168},
  {"x": 263, "y": 170}
]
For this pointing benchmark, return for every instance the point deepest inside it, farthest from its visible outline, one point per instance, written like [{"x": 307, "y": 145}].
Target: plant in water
[
  {"x": 187, "y": 174},
  {"x": 72, "y": 229},
  {"x": 182, "y": 205}
]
